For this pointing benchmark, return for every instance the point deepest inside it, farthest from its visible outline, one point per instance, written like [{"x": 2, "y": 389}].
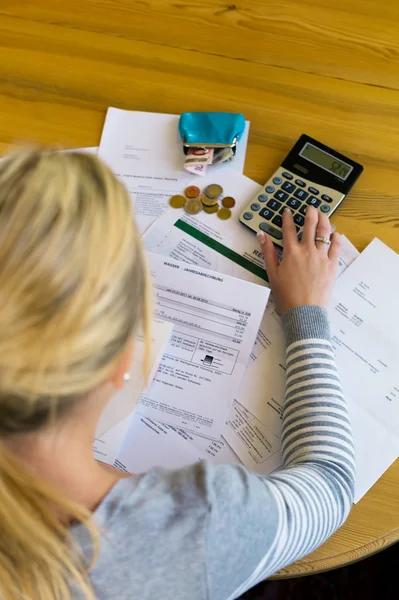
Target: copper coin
[
  {"x": 224, "y": 214},
  {"x": 208, "y": 201},
  {"x": 228, "y": 202},
  {"x": 211, "y": 209},
  {"x": 214, "y": 190},
  {"x": 192, "y": 191},
  {"x": 177, "y": 201},
  {"x": 193, "y": 206}
]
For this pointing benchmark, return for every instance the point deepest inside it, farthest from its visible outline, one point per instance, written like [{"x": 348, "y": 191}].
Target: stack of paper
[{"x": 225, "y": 359}]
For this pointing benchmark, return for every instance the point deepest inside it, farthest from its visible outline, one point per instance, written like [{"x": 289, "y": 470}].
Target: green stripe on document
[{"x": 227, "y": 252}]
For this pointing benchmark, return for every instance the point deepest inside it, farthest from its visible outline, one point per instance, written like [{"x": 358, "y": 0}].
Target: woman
[{"x": 74, "y": 290}]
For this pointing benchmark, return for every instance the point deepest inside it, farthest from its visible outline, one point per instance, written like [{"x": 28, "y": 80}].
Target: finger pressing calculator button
[
  {"x": 303, "y": 210},
  {"x": 325, "y": 208},
  {"x": 326, "y": 198},
  {"x": 267, "y": 228},
  {"x": 277, "y": 180},
  {"x": 299, "y": 220},
  {"x": 300, "y": 182},
  {"x": 277, "y": 221},
  {"x": 247, "y": 216},
  {"x": 273, "y": 204},
  {"x": 313, "y": 190},
  {"x": 313, "y": 201},
  {"x": 301, "y": 194},
  {"x": 263, "y": 198},
  {"x": 294, "y": 203},
  {"x": 287, "y": 175},
  {"x": 266, "y": 213},
  {"x": 255, "y": 206},
  {"x": 288, "y": 187},
  {"x": 281, "y": 195},
  {"x": 270, "y": 189}
]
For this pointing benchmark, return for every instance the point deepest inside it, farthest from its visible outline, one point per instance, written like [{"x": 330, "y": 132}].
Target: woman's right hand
[{"x": 308, "y": 269}]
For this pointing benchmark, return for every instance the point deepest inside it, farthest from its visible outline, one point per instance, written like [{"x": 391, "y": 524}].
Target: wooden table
[{"x": 290, "y": 67}]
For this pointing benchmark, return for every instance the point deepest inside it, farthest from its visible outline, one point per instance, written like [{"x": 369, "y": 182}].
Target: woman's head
[
  {"x": 74, "y": 289},
  {"x": 73, "y": 282}
]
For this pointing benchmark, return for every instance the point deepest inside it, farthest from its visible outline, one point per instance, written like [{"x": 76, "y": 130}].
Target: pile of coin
[{"x": 194, "y": 201}]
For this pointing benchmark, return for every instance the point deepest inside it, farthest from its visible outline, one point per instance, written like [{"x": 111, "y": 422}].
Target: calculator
[{"x": 312, "y": 174}]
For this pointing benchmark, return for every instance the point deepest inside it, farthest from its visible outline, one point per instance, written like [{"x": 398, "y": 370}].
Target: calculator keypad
[{"x": 284, "y": 190}]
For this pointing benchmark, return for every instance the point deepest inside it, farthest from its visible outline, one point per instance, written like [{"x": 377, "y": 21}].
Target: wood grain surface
[{"x": 330, "y": 70}]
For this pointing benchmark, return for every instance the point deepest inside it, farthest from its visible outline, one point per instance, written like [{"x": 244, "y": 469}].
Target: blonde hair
[{"x": 74, "y": 288}]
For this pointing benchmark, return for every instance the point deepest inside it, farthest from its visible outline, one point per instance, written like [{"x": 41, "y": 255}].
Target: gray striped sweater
[{"x": 210, "y": 532}]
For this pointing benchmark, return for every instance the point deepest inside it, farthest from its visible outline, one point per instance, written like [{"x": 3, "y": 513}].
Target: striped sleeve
[{"x": 310, "y": 497}]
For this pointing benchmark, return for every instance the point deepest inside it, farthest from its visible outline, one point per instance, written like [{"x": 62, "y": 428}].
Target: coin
[
  {"x": 211, "y": 209},
  {"x": 208, "y": 201},
  {"x": 224, "y": 214},
  {"x": 192, "y": 191},
  {"x": 214, "y": 190},
  {"x": 177, "y": 201},
  {"x": 228, "y": 202},
  {"x": 193, "y": 206}
]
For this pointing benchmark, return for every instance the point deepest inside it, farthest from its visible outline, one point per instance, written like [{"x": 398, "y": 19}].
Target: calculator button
[
  {"x": 266, "y": 213},
  {"x": 287, "y": 175},
  {"x": 300, "y": 182},
  {"x": 255, "y": 206},
  {"x": 277, "y": 221},
  {"x": 277, "y": 180},
  {"x": 263, "y": 198},
  {"x": 247, "y": 216},
  {"x": 270, "y": 189},
  {"x": 303, "y": 210},
  {"x": 313, "y": 201},
  {"x": 297, "y": 228},
  {"x": 282, "y": 209},
  {"x": 301, "y": 194},
  {"x": 299, "y": 220},
  {"x": 300, "y": 236},
  {"x": 326, "y": 198},
  {"x": 271, "y": 230},
  {"x": 325, "y": 208},
  {"x": 294, "y": 203},
  {"x": 281, "y": 195},
  {"x": 273, "y": 204},
  {"x": 313, "y": 190},
  {"x": 288, "y": 187}
]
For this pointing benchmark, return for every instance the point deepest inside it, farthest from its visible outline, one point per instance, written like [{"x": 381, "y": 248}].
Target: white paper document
[
  {"x": 145, "y": 151},
  {"x": 215, "y": 319}
]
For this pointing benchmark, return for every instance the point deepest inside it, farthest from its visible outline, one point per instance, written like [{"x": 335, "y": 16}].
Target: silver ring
[{"x": 325, "y": 240}]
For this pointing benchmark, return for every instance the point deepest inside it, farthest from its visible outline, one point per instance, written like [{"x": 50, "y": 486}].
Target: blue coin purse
[{"x": 211, "y": 130}]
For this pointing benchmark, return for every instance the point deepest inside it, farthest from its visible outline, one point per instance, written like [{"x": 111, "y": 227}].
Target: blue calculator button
[
  {"x": 263, "y": 198},
  {"x": 299, "y": 220},
  {"x": 247, "y": 216},
  {"x": 277, "y": 221},
  {"x": 270, "y": 189},
  {"x": 273, "y": 204},
  {"x": 325, "y": 208},
  {"x": 301, "y": 194},
  {"x": 266, "y": 213},
  {"x": 326, "y": 198},
  {"x": 255, "y": 206},
  {"x": 300, "y": 182},
  {"x": 279, "y": 195},
  {"x": 294, "y": 203},
  {"x": 312, "y": 200},
  {"x": 287, "y": 175},
  {"x": 277, "y": 180},
  {"x": 288, "y": 187},
  {"x": 313, "y": 190},
  {"x": 267, "y": 228}
]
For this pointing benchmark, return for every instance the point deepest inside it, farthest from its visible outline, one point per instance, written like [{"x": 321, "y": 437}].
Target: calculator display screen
[{"x": 326, "y": 161}]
